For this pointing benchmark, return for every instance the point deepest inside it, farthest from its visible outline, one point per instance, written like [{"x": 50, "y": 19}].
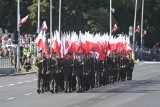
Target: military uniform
[
  {"x": 67, "y": 71},
  {"x": 39, "y": 74},
  {"x": 130, "y": 69},
  {"x": 79, "y": 65},
  {"x": 46, "y": 75},
  {"x": 52, "y": 69}
]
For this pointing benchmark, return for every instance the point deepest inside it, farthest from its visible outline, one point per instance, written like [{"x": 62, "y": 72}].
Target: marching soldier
[
  {"x": 39, "y": 62},
  {"x": 67, "y": 71},
  {"x": 79, "y": 64},
  {"x": 46, "y": 75},
  {"x": 130, "y": 69},
  {"x": 59, "y": 75},
  {"x": 53, "y": 69}
]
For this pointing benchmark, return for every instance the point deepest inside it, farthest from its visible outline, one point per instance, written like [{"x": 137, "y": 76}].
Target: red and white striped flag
[
  {"x": 44, "y": 26},
  {"x": 115, "y": 28},
  {"x": 138, "y": 29},
  {"x": 144, "y": 33},
  {"x": 23, "y": 20}
]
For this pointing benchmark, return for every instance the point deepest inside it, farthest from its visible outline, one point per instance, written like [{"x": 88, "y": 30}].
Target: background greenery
[{"x": 84, "y": 15}]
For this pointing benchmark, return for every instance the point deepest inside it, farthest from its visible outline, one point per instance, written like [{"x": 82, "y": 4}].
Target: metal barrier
[{"x": 5, "y": 62}]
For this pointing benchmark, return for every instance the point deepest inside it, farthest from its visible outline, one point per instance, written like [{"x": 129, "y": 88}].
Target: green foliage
[{"x": 84, "y": 15}]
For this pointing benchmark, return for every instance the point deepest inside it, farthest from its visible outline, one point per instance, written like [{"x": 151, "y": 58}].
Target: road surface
[{"x": 142, "y": 91}]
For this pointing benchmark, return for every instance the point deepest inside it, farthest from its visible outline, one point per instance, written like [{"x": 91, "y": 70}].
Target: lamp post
[
  {"x": 50, "y": 18},
  {"x": 142, "y": 27},
  {"x": 59, "y": 28},
  {"x": 38, "y": 16},
  {"x": 110, "y": 18},
  {"x": 135, "y": 14},
  {"x": 18, "y": 29}
]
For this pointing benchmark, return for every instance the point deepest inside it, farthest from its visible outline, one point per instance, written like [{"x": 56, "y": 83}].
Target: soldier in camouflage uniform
[
  {"x": 79, "y": 65},
  {"x": 53, "y": 69},
  {"x": 130, "y": 68},
  {"x": 67, "y": 71},
  {"x": 39, "y": 62}
]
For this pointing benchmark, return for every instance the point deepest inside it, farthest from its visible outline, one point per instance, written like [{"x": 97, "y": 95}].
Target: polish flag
[
  {"x": 24, "y": 19},
  {"x": 115, "y": 28},
  {"x": 91, "y": 43},
  {"x": 75, "y": 46},
  {"x": 39, "y": 41},
  {"x": 138, "y": 29},
  {"x": 62, "y": 51},
  {"x": 111, "y": 43},
  {"x": 128, "y": 47},
  {"x": 144, "y": 33},
  {"x": 124, "y": 42},
  {"x": 101, "y": 49},
  {"x": 67, "y": 41},
  {"x": 44, "y": 47},
  {"x": 119, "y": 43},
  {"x": 44, "y": 26},
  {"x": 83, "y": 47},
  {"x": 51, "y": 42},
  {"x": 56, "y": 42}
]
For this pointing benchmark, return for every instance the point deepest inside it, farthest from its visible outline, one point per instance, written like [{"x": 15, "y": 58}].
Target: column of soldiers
[{"x": 82, "y": 73}]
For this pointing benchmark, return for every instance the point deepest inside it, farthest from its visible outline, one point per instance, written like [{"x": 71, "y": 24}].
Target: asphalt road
[{"x": 142, "y": 91}]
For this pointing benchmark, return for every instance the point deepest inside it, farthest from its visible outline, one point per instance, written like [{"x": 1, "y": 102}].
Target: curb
[{"x": 16, "y": 74}]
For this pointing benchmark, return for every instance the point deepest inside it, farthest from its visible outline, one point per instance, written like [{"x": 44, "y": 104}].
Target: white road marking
[
  {"x": 20, "y": 82},
  {"x": 1, "y": 86},
  {"x": 27, "y": 81},
  {"x": 28, "y": 94},
  {"x": 10, "y": 98},
  {"x": 10, "y": 84}
]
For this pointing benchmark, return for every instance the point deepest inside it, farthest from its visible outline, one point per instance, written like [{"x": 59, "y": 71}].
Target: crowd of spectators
[
  {"x": 148, "y": 54},
  {"x": 8, "y": 50}
]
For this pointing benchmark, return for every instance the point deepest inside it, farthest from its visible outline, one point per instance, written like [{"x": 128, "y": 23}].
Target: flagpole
[
  {"x": 38, "y": 24},
  {"x": 142, "y": 27},
  {"x": 50, "y": 18},
  {"x": 18, "y": 29},
  {"x": 50, "y": 22},
  {"x": 110, "y": 17},
  {"x": 59, "y": 29},
  {"x": 134, "y": 27},
  {"x": 38, "y": 16}
]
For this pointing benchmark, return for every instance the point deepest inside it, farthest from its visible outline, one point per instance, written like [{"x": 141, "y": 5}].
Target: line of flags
[{"x": 71, "y": 42}]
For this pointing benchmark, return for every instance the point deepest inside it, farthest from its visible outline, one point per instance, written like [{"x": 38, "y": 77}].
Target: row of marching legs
[{"x": 79, "y": 81}]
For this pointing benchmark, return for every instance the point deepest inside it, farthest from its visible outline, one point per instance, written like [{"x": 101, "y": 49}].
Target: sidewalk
[
  {"x": 18, "y": 73},
  {"x": 22, "y": 72}
]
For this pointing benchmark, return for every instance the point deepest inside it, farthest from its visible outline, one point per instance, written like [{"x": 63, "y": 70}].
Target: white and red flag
[
  {"x": 39, "y": 41},
  {"x": 44, "y": 26},
  {"x": 44, "y": 46},
  {"x": 144, "y": 33},
  {"x": 138, "y": 29},
  {"x": 23, "y": 20},
  {"x": 115, "y": 28},
  {"x": 56, "y": 42}
]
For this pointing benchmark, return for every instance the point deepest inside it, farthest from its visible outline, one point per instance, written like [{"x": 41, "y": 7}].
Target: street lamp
[
  {"x": 111, "y": 11},
  {"x": 142, "y": 27},
  {"x": 134, "y": 27},
  {"x": 59, "y": 28}
]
